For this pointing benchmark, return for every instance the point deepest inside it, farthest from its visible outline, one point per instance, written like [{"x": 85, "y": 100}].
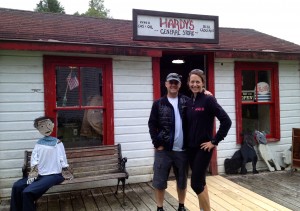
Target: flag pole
[{"x": 65, "y": 96}]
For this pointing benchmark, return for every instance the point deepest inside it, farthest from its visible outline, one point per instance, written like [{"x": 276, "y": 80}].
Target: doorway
[{"x": 190, "y": 62}]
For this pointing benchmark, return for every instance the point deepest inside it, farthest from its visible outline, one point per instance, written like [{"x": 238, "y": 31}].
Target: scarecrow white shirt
[{"x": 50, "y": 159}]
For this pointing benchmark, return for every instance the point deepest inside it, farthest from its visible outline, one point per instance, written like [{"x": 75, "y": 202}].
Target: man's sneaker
[{"x": 181, "y": 209}]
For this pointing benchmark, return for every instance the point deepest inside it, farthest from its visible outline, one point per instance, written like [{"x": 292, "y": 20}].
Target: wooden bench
[{"x": 92, "y": 164}]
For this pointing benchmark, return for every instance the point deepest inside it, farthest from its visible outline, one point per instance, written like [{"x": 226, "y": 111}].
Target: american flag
[{"x": 72, "y": 81}]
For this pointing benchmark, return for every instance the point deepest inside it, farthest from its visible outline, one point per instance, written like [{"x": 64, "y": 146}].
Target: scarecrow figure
[{"x": 49, "y": 167}]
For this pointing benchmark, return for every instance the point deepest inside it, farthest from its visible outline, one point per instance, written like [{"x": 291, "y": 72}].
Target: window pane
[
  {"x": 248, "y": 78},
  {"x": 80, "y": 127},
  {"x": 67, "y": 86},
  {"x": 91, "y": 83},
  {"x": 256, "y": 117},
  {"x": 248, "y": 85}
]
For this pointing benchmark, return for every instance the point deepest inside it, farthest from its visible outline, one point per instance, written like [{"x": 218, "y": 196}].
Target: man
[{"x": 165, "y": 127}]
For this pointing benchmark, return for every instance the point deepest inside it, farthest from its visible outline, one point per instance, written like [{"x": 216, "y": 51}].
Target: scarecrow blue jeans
[{"x": 23, "y": 196}]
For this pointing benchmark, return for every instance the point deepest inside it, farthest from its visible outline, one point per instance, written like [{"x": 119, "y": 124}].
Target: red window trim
[
  {"x": 50, "y": 62},
  {"x": 275, "y": 115}
]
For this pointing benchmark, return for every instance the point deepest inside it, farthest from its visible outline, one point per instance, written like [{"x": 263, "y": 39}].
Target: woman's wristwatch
[{"x": 214, "y": 142}]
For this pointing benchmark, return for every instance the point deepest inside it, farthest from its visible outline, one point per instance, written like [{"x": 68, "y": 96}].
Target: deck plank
[
  {"x": 135, "y": 199},
  {"x": 77, "y": 202},
  {"x": 127, "y": 204},
  {"x": 111, "y": 199},
  {"x": 150, "y": 191},
  {"x": 144, "y": 196},
  {"x": 88, "y": 200},
  {"x": 42, "y": 203},
  {"x": 100, "y": 200},
  {"x": 235, "y": 194},
  {"x": 53, "y": 202},
  {"x": 226, "y": 194},
  {"x": 254, "y": 197},
  {"x": 284, "y": 197},
  {"x": 220, "y": 196},
  {"x": 65, "y": 201}
]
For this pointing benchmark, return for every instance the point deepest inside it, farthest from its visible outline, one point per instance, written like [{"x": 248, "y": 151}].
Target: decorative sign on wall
[{"x": 175, "y": 27}]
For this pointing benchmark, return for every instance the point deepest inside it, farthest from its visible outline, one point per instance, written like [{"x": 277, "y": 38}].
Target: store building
[{"x": 98, "y": 78}]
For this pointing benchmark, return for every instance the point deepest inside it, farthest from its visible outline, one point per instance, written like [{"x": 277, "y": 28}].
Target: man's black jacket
[{"x": 162, "y": 121}]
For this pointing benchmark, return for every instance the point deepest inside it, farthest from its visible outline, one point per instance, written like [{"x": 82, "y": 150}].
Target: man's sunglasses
[{"x": 174, "y": 82}]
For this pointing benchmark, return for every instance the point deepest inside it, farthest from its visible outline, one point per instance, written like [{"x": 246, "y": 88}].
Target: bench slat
[
  {"x": 95, "y": 178},
  {"x": 91, "y": 163}
]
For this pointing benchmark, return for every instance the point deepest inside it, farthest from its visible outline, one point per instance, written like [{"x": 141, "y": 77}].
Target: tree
[
  {"x": 97, "y": 9},
  {"x": 50, "y": 6}
]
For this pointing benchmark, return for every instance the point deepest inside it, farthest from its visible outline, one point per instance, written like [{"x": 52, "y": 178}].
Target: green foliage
[
  {"x": 96, "y": 9},
  {"x": 53, "y": 6}
]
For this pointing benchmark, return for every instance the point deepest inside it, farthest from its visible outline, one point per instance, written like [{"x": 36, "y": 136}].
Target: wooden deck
[
  {"x": 280, "y": 186},
  {"x": 224, "y": 195}
]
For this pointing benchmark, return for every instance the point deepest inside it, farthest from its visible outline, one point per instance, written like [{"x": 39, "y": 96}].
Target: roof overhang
[{"x": 91, "y": 48}]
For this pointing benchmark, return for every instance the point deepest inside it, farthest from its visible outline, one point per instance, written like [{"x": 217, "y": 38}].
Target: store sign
[
  {"x": 248, "y": 96},
  {"x": 177, "y": 27}
]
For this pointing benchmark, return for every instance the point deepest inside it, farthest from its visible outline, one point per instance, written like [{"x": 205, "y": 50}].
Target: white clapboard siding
[
  {"x": 138, "y": 162},
  {"x": 224, "y": 92},
  {"x": 132, "y": 88},
  {"x": 21, "y": 100},
  {"x": 135, "y": 129},
  {"x": 133, "y": 98},
  {"x": 140, "y": 145},
  {"x": 19, "y": 135},
  {"x": 20, "y": 88},
  {"x": 138, "y": 105},
  {"x": 5, "y": 173},
  {"x": 138, "y": 153},
  {"x": 21, "y": 97},
  {"x": 289, "y": 92},
  {"x": 17, "y": 144},
  {"x": 133, "y": 121},
  {"x": 122, "y": 138},
  {"x": 22, "y": 107}
]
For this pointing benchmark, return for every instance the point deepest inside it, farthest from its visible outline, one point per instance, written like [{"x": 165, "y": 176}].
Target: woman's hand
[{"x": 207, "y": 146}]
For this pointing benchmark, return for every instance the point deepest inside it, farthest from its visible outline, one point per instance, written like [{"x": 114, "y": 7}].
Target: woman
[{"x": 199, "y": 124}]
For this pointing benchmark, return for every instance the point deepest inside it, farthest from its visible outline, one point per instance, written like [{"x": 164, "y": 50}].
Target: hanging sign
[{"x": 177, "y": 27}]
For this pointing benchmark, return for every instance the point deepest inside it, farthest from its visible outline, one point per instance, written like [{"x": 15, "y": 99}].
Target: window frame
[
  {"x": 274, "y": 104},
  {"x": 50, "y": 63}
]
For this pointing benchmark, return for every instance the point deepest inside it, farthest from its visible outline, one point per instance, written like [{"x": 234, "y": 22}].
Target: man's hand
[
  {"x": 206, "y": 92},
  {"x": 33, "y": 174}
]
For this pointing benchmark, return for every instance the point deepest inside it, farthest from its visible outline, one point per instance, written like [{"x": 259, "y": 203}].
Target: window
[
  {"x": 78, "y": 96},
  {"x": 257, "y": 99}
]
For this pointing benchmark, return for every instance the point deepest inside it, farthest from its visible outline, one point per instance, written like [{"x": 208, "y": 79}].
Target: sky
[{"x": 279, "y": 18}]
